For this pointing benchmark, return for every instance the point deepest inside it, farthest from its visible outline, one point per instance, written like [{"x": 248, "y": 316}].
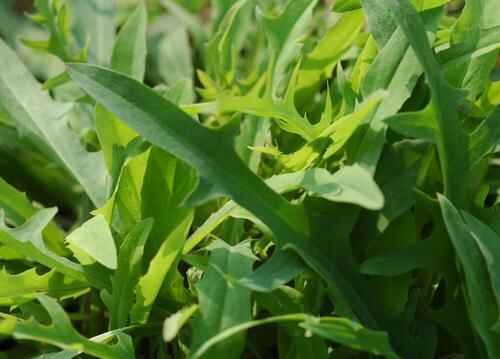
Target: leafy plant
[{"x": 261, "y": 179}]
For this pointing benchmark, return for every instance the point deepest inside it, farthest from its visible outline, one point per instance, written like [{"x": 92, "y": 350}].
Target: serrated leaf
[
  {"x": 201, "y": 148},
  {"x": 62, "y": 334},
  {"x": 27, "y": 239},
  {"x": 16, "y": 289},
  {"x": 18, "y": 209}
]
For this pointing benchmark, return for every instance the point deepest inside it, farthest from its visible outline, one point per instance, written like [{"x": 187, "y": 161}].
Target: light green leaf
[
  {"x": 421, "y": 5},
  {"x": 284, "y": 33},
  {"x": 343, "y": 128},
  {"x": 27, "y": 239},
  {"x": 19, "y": 209},
  {"x": 167, "y": 182},
  {"x": 175, "y": 322},
  {"x": 162, "y": 263},
  {"x": 129, "y": 52},
  {"x": 16, "y": 289},
  {"x": 318, "y": 64},
  {"x": 95, "y": 239},
  {"x": 127, "y": 275},
  {"x": 34, "y": 111},
  {"x": 62, "y": 334},
  {"x": 94, "y": 25},
  {"x": 123, "y": 208},
  {"x": 223, "y": 48},
  {"x": 350, "y": 184},
  {"x": 283, "y": 110}
]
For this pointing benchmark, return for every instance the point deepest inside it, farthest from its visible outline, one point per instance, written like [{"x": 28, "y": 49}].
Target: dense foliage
[{"x": 249, "y": 179}]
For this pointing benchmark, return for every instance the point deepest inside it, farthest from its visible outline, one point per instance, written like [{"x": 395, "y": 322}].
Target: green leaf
[
  {"x": 341, "y": 330},
  {"x": 166, "y": 126},
  {"x": 283, "y": 110},
  {"x": 481, "y": 303},
  {"x": 123, "y": 209},
  {"x": 129, "y": 52},
  {"x": 395, "y": 69},
  {"x": 489, "y": 245},
  {"x": 27, "y": 239},
  {"x": 95, "y": 239},
  {"x": 167, "y": 182},
  {"x": 452, "y": 141},
  {"x": 176, "y": 321},
  {"x": 62, "y": 334},
  {"x": 224, "y": 46},
  {"x": 223, "y": 304},
  {"x": 17, "y": 289},
  {"x": 485, "y": 137},
  {"x": 34, "y": 111},
  {"x": 343, "y": 128},
  {"x": 127, "y": 275},
  {"x": 18, "y": 209},
  {"x": 421, "y": 5},
  {"x": 192, "y": 22},
  {"x": 54, "y": 16},
  {"x": 352, "y": 335},
  {"x": 162, "y": 263},
  {"x": 398, "y": 261},
  {"x": 350, "y": 184},
  {"x": 318, "y": 64},
  {"x": 172, "y": 54},
  {"x": 94, "y": 25},
  {"x": 284, "y": 33},
  {"x": 254, "y": 133},
  {"x": 346, "y": 5},
  {"x": 420, "y": 124},
  {"x": 275, "y": 272}
]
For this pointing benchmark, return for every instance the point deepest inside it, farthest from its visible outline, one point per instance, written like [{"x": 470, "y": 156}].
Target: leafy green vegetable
[
  {"x": 62, "y": 334},
  {"x": 95, "y": 239},
  {"x": 35, "y": 113},
  {"x": 251, "y": 178}
]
